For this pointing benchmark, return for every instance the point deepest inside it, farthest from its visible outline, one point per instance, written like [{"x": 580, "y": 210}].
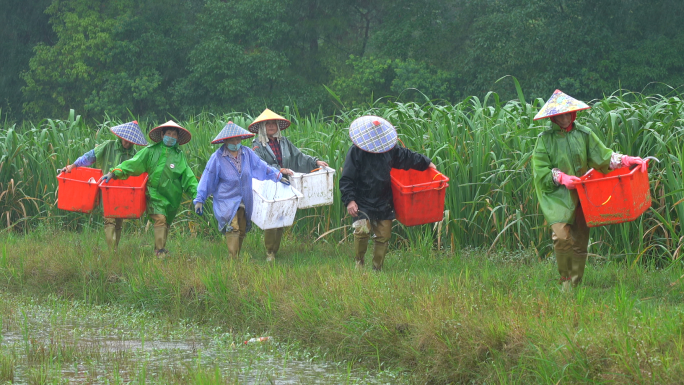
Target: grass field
[{"x": 440, "y": 317}]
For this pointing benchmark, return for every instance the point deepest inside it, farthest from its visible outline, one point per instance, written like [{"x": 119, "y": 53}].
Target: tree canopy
[{"x": 160, "y": 58}]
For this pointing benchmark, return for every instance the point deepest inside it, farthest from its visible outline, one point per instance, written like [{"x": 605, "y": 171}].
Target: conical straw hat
[
  {"x": 373, "y": 134},
  {"x": 231, "y": 130},
  {"x": 131, "y": 132},
  {"x": 560, "y": 103},
  {"x": 268, "y": 115},
  {"x": 184, "y": 135}
]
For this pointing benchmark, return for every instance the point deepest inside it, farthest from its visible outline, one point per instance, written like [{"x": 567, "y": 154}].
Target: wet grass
[
  {"x": 57, "y": 341},
  {"x": 442, "y": 317}
]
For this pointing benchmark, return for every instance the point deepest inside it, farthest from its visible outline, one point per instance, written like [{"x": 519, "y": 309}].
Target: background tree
[{"x": 178, "y": 57}]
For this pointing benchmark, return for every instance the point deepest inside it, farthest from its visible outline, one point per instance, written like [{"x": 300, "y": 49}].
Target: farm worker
[
  {"x": 278, "y": 152},
  {"x": 365, "y": 183},
  {"x": 106, "y": 155},
  {"x": 563, "y": 153},
  {"x": 169, "y": 175},
  {"x": 228, "y": 177}
]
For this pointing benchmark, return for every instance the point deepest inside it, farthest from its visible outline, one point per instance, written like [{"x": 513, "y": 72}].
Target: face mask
[
  {"x": 233, "y": 147},
  {"x": 169, "y": 141}
]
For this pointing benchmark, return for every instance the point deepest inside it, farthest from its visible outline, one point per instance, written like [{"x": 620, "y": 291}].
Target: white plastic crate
[
  {"x": 275, "y": 204},
  {"x": 316, "y": 187}
]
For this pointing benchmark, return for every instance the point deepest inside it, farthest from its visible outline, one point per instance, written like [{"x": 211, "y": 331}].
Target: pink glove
[
  {"x": 628, "y": 161},
  {"x": 568, "y": 180}
]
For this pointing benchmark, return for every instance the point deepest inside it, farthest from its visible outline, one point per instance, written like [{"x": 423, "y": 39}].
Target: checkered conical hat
[
  {"x": 560, "y": 103},
  {"x": 131, "y": 132},
  {"x": 266, "y": 116},
  {"x": 373, "y": 134},
  {"x": 231, "y": 130},
  {"x": 184, "y": 135}
]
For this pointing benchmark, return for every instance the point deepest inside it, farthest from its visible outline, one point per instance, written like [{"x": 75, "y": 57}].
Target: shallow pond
[{"x": 56, "y": 341}]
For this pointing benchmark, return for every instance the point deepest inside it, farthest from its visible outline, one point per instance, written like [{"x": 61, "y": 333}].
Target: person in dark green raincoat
[
  {"x": 562, "y": 154},
  {"x": 106, "y": 155},
  {"x": 169, "y": 176},
  {"x": 278, "y": 152}
]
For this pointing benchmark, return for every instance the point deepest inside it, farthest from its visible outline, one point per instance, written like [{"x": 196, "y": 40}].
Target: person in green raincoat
[
  {"x": 106, "y": 155},
  {"x": 563, "y": 153},
  {"x": 169, "y": 176},
  {"x": 278, "y": 152}
]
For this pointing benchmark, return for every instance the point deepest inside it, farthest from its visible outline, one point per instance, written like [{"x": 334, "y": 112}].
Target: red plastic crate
[
  {"x": 124, "y": 198},
  {"x": 75, "y": 193},
  {"x": 620, "y": 196},
  {"x": 418, "y": 195}
]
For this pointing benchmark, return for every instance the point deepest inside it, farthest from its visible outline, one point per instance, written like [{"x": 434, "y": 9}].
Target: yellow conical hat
[
  {"x": 560, "y": 103},
  {"x": 266, "y": 116}
]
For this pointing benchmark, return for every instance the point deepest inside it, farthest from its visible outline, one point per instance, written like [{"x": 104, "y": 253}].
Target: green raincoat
[
  {"x": 169, "y": 176},
  {"x": 574, "y": 153},
  {"x": 110, "y": 153},
  {"x": 293, "y": 159}
]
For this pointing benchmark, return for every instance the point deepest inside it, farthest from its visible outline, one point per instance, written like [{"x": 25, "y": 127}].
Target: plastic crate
[
  {"x": 275, "y": 204},
  {"x": 316, "y": 187},
  {"x": 78, "y": 190},
  {"x": 418, "y": 195},
  {"x": 124, "y": 198},
  {"x": 619, "y": 196}
]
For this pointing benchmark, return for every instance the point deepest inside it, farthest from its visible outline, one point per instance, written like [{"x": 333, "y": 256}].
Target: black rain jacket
[{"x": 366, "y": 178}]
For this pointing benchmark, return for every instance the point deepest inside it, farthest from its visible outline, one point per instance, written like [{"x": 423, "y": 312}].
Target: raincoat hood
[
  {"x": 131, "y": 132},
  {"x": 373, "y": 134},
  {"x": 266, "y": 116},
  {"x": 184, "y": 135},
  {"x": 231, "y": 130},
  {"x": 560, "y": 103}
]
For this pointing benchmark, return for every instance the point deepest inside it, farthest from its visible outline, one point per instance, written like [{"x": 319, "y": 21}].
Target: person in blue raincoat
[{"x": 228, "y": 177}]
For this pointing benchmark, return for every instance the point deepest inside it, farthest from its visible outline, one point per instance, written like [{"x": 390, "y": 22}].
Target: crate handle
[{"x": 441, "y": 184}]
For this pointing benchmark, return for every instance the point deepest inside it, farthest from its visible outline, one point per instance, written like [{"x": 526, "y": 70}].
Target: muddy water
[{"x": 63, "y": 342}]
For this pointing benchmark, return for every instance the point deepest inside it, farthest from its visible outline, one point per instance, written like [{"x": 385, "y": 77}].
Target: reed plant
[{"x": 483, "y": 145}]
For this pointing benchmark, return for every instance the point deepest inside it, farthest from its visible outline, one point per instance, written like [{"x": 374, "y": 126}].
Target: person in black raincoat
[{"x": 365, "y": 183}]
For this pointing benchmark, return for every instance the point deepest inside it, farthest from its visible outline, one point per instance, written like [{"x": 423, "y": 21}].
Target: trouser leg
[
  {"x": 580, "y": 246},
  {"x": 237, "y": 233},
  {"x": 272, "y": 238},
  {"x": 161, "y": 231},
  {"x": 570, "y": 243},
  {"x": 118, "y": 227},
  {"x": 110, "y": 232},
  {"x": 233, "y": 243},
  {"x": 563, "y": 249},
  {"x": 383, "y": 231},
  {"x": 360, "y": 246}
]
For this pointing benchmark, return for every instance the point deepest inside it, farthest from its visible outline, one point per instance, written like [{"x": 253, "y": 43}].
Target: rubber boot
[
  {"x": 577, "y": 269},
  {"x": 110, "y": 236},
  {"x": 272, "y": 238},
  {"x": 379, "y": 252},
  {"x": 233, "y": 243},
  {"x": 360, "y": 247},
  {"x": 563, "y": 261},
  {"x": 160, "y": 233},
  {"x": 118, "y": 237}
]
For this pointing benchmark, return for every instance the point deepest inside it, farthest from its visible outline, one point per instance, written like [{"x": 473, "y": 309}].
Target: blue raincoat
[{"x": 222, "y": 180}]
